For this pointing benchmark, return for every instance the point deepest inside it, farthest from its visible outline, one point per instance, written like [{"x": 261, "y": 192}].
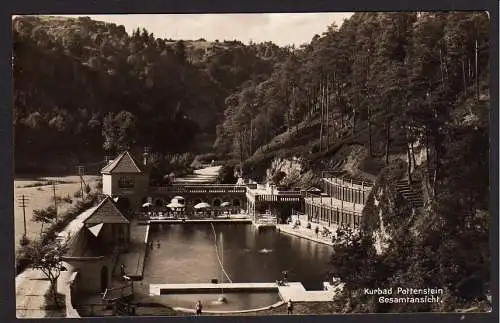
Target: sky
[{"x": 280, "y": 28}]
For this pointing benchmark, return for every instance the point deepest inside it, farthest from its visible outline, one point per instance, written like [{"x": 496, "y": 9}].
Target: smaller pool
[{"x": 235, "y": 301}]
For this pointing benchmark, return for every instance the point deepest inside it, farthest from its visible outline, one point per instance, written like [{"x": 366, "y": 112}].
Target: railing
[
  {"x": 265, "y": 219},
  {"x": 341, "y": 177},
  {"x": 200, "y": 188},
  {"x": 274, "y": 195},
  {"x": 113, "y": 294},
  {"x": 278, "y": 198},
  {"x": 342, "y": 209}
]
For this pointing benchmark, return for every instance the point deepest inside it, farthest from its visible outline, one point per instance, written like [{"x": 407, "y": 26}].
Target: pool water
[{"x": 186, "y": 253}]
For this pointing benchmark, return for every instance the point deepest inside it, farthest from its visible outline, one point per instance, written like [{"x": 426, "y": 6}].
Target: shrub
[
  {"x": 24, "y": 241},
  {"x": 78, "y": 194},
  {"x": 67, "y": 199},
  {"x": 206, "y": 158},
  {"x": 226, "y": 175},
  {"x": 87, "y": 188}
]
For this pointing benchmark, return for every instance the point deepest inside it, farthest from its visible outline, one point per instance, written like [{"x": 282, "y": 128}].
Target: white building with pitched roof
[{"x": 126, "y": 179}]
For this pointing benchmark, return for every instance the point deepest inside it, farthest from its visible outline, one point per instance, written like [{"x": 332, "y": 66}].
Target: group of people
[{"x": 151, "y": 245}]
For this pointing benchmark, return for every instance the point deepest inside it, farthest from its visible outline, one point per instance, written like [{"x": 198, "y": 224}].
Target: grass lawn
[{"x": 39, "y": 197}]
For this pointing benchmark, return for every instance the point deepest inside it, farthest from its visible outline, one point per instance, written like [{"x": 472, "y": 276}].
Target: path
[
  {"x": 40, "y": 197},
  {"x": 134, "y": 258},
  {"x": 201, "y": 176},
  {"x": 305, "y": 233}
]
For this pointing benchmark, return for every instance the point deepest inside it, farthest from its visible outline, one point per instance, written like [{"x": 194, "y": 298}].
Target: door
[{"x": 104, "y": 279}]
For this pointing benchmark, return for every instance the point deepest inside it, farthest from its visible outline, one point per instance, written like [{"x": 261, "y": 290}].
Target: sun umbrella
[
  {"x": 178, "y": 199},
  {"x": 225, "y": 204},
  {"x": 175, "y": 205},
  {"x": 148, "y": 204},
  {"x": 202, "y": 205}
]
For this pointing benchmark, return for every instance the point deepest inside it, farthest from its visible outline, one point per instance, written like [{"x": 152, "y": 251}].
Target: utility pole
[
  {"x": 477, "y": 71},
  {"x": 55, "y": 198},
  {"x": 81, "y": 172},
  {"x": 23, "y": 202}
]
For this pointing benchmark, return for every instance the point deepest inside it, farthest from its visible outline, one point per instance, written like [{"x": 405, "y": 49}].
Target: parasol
[{"x": 202, "y": 205}]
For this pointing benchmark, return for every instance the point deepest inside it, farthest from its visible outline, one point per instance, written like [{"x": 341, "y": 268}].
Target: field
[{"x": 39, "y": 193}]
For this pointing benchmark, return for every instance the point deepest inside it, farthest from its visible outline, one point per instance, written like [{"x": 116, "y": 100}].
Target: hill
[{"x": 85, "y": 83}]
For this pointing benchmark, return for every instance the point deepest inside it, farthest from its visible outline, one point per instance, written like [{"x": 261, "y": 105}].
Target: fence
[
  {"x": 200, "y": 188},
  {"x": 327, "y": 213},
  {"x": 116, "y": 293}
]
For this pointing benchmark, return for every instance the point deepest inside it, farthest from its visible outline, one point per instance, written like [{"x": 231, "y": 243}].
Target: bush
[
  {"x": 226, "y": 175},
  {"x": 206, "y": 158},
  {"x": 78, "y": 194},
  {"x": 87, "y": 188},
  {"x": 67, "y": 199},
  {"x": 24, "y": 241}
]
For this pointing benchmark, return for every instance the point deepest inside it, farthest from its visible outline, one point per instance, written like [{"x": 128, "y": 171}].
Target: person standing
[
  {"x": 198, "y": 308},
  {"x": 290, "y": 307},
  {"x": 122, "y": 270}
]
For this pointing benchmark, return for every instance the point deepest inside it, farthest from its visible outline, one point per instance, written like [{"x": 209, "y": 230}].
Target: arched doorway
[
  {"x": 217, "y": 202},
  {"x": 104, "y": 279}
]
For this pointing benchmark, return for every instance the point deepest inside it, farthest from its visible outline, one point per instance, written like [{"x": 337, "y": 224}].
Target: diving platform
[
  {"x": 293, "y": 290},
  {"x": 163, "y": 289}
]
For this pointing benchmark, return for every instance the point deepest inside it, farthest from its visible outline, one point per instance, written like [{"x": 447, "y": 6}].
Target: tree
[
  {"x": 48, "y": 259},
  {"x": 226, "y": 175},
  {"x": 44, "y": 216},
  {"x": 119, "y": 131}
]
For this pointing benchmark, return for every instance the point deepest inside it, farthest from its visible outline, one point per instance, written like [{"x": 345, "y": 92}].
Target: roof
[
  {"x": 106, "y": 212},
  {"x": 81, "y": 244},
  {"x": 85, "y": 244},
  {"x": 124, "y": 163}
]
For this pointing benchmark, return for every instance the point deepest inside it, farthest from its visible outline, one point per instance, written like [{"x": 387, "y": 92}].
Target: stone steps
[{"x": 411, "y": 193}]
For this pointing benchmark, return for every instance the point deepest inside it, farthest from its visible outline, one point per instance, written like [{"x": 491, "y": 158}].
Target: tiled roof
[
  {"x": 106, "y": 212},
  {"x": 124, "y": 163}
]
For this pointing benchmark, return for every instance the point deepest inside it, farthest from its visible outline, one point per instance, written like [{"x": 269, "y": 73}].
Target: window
[{"x": 126, "y": 182}]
